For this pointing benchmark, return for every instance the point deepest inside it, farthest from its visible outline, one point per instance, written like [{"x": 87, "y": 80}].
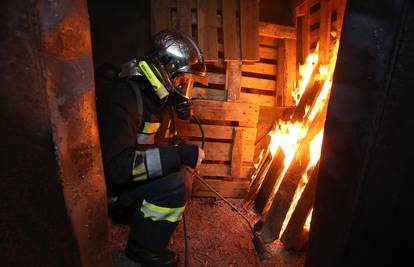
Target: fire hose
[{"x": 257, "y": 242}]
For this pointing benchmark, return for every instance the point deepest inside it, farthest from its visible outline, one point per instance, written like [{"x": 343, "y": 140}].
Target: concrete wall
[{"x": 53, "y": 201}]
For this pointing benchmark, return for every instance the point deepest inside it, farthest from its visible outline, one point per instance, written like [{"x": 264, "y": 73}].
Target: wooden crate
[
  {"x": 243, "y": 63},
  {"x": 230, "y": 134}
]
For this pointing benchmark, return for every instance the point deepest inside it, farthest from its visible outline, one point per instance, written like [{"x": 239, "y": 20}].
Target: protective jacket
[
  {"x": 131, "y": 120},
  {"x": 146, "y": 179}
]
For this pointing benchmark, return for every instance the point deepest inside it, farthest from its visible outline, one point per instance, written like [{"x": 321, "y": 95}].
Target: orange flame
[
  {"x": 308, "y": 221},
  {"x": 305, "y": 74},
  {"x": 315, "y": 154},
  {"x": 287, "y": 136}
]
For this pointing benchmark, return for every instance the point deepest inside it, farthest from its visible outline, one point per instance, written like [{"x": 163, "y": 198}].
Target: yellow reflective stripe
[
  {"x": 141, "y": 176},
  {"x": 151, "y": 127},
  {"x": 156, "y": 84},
  {"x": 158, "y": 213},
  {"x": 139, "y": 172}
]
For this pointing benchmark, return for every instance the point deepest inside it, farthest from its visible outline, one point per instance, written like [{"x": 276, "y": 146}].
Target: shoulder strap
[{"x": 138, "y": 96}]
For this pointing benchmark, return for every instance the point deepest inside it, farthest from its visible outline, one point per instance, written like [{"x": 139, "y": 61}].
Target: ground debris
[{"x": 217, "y": 237}]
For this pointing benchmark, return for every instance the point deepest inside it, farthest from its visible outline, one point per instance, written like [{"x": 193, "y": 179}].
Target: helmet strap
[{"x": 158, "y": 87}]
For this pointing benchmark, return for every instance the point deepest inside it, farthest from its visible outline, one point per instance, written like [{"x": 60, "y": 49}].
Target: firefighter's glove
[{"x": 191, "y": 155}]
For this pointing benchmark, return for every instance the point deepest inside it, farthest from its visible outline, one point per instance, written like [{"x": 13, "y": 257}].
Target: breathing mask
[{"x": 174, "y": 63}]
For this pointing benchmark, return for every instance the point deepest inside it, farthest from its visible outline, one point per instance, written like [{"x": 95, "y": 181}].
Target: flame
[
  {"x": 260, "y": 159},
  {"x": 308, "y": 221},
  {"x": 322, "y": 99},
  {"x": 315, "y": 149},
  {"x": 287, "y": 136},
  {"x": 305, "y": 74},
  {"x": 315, "y": 153}
]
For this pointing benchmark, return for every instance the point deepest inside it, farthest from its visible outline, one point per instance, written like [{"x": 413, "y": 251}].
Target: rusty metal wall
[
  {"x": 53, "y": 205},
  {"x": 362, "y": 213}
]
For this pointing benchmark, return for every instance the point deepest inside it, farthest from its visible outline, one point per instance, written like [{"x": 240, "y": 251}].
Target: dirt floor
[{"x": 216, "y": 235}]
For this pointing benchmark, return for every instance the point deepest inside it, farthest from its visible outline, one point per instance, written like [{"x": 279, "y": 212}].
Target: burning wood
[
  {"x": 291, "y": 160},
  {"x": 295, "y": 234}
]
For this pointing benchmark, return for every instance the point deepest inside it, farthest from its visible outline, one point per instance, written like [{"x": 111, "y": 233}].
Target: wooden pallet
[
  {"x": 243, "y": 63},
  {"x": 327, "y": 15},
  {"x": 317, "y": 21},
  {"x": 238, "y": 21},
  {"x": 230, "y": 134}
]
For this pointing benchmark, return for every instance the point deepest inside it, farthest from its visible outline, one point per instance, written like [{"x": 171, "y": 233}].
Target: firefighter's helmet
[{"x": 176, "y": 61}]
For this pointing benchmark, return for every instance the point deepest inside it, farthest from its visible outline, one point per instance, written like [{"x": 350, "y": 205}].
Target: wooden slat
[
  {"x": 299, "y": 42},
  {"x": 268, "y": 41},
  {"x": 225, "y": 188},
  {"x": 249, "y": 29},
  {"x": 216, "y": 151},
  {"x": 216, "y": 78},
  {"x": 258, "y": 83},
  {"x": 324, "y": 31},
  {"x": 215, "y": 131},
  {"x": 160, "y": 15},
  {"x": 207, "y": 29},
  {"x": 233, "y": 80},
  {"x": 279, "y": 202},
  {"x": 268, "y": 52},
  {"x": 293, "y": 236},
  {"x": 286, "y": 72},
  {"x": 258, "y": 177},
  {"x": 226, "y": 111},
  {"x": 340, "y": 16},
  {"x": 230, "y": 39},
  {"x": 301, "y": 9},
  {"x": 313, "y": 38},
  {"x": 315, "y": 18},
  {"x": 222, "y": 170},
  {"x": 208, "y": 94},
  {"x": 220, "y": 48},
  {"x": 184, "y": 15},
  {"x": 237, "y": 152},
  {"x": 220, "y": 64},
  {"x": 222, "y": 151},
  {"x": 267, "y": 183},
  {"x": 311, "y": 3},
  {"x": 277, "y": 31},
  {"x": 303, "y": 35},
  {"x": 261, "y": 100},
  {"x": 261, "y": 68},
  {"x": 308, "y": 99}
]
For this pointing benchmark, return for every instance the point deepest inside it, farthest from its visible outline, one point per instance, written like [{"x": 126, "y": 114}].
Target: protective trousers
[{"x": 158, "y": 206}]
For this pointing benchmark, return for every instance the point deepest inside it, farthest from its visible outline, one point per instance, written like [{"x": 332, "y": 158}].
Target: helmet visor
[{"x": 183, "y": 83}]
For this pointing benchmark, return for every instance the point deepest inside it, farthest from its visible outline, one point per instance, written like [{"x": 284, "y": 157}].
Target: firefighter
[{"x": 145, "y": 181}]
